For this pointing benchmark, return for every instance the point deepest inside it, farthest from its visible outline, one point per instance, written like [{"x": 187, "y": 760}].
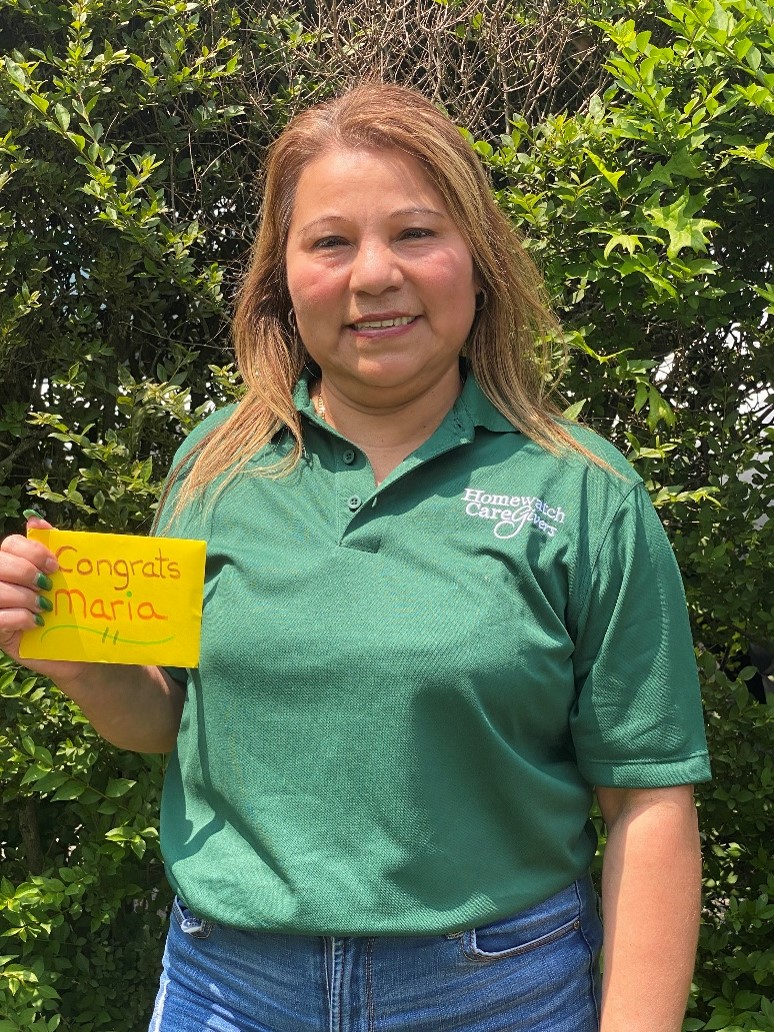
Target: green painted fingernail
[
  {"x": 39, "y": 620},
  {"x": 30, "y": 513},
  {"x": 45, "y": 603},
  {"x": 43, "y": 582}
]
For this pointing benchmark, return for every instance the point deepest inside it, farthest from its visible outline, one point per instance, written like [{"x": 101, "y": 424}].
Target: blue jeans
[{"x": 534, "y": 972}]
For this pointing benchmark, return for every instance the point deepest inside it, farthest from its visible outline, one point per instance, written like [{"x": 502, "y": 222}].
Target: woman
[{"x": 437, "y": 618}]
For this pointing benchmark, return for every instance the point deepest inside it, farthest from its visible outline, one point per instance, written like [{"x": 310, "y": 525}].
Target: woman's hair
[{"x": 508, "y": 347}]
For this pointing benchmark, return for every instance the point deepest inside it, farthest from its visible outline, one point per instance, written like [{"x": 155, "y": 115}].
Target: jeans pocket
[
  {"x": 526, "y": 931},
  {"x": 190, "y": 923}
]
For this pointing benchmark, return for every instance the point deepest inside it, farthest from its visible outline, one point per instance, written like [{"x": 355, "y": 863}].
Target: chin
[{"x": 393, "y": 380}]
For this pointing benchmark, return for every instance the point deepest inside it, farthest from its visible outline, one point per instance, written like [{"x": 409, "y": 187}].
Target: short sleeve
[
  {"x": 637, "y": 720},
  {"x": 179, "y": 674}
]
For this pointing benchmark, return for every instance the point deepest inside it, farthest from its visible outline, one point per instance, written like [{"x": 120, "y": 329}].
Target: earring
[
  {"x": 481, "y": 299},
  {"x": 291, "y": 320}
]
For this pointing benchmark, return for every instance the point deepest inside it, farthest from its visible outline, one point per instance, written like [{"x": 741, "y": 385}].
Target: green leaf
[
  {"x": 44, "y": 780},
  {"x": 122, "y": 834},
  {"x": 681, "y": 164},
  {"x": 629, "y": 242},
  {"x": 573, "y": 411},
  {"x": 70, "y": 790},
  {"x": 117, "y": 787},
  {"x": 677, "y": 219},
  {"x": 658, "y": 410},
  {"x": 62, "y": 115},
  {"x": 753, "y": 58},
  {"x": 612, "y": 177},
  {"x": 15, "y": 72}
]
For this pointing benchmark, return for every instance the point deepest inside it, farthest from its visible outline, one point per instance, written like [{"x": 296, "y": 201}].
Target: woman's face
[{"x": 381, "y": 279}]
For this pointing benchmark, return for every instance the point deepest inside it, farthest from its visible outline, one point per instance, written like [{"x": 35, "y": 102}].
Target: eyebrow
[{"x": 394, "y": 214}]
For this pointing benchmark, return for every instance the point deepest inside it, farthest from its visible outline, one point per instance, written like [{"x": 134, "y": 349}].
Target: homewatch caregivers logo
[{"x": 511, "y": 513}]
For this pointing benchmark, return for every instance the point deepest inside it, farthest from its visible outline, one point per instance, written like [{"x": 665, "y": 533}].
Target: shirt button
[
  {"x": 354, "y": 502},
  {"x": 349, "y": 457}
]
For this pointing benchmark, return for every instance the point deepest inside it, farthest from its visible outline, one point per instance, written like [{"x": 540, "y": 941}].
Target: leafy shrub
[{"x": 82, "y": 892}]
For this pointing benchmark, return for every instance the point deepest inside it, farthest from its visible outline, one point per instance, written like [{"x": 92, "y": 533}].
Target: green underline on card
[{"x": 106, "y": 636}]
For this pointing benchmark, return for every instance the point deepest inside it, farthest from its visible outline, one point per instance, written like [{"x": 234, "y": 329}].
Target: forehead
[{"x": 344, "y": 175}]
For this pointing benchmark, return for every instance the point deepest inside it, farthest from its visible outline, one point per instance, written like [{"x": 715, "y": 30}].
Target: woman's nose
[{"x": 374, "y": 269}]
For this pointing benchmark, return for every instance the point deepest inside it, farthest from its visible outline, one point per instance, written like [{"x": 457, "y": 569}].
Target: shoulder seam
[{"x": 584, "y": 594}]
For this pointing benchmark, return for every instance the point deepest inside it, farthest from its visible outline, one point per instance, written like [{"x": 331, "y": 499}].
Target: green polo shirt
[{"x": 407, "y": 692}]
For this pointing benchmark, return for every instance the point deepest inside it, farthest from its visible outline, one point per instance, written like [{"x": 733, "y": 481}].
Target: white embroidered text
[{"x": 511, "y": 513}]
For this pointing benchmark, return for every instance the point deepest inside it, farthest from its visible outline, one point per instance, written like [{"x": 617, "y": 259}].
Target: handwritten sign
[{"x": 118, "y": 598}]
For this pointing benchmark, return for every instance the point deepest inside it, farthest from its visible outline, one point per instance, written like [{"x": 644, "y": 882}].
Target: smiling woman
[
  {"x": 383, "y": 290},
  {"x": 503, "y": 320},
  {"x": 437, "y": 619}
]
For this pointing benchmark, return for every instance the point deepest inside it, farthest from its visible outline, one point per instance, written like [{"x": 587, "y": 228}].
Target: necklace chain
[{"x": 319, "y": 404}]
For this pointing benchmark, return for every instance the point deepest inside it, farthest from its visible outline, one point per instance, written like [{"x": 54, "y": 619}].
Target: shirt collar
[
  {"x": 480, "y": 409},
  {"x": 301, "y": 398}
]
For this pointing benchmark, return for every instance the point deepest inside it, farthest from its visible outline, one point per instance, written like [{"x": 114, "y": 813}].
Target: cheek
[
  {"x": 312, "y": 290},
  {"x": 450, "y": 269},
  {"x": 452, "y": 287}
]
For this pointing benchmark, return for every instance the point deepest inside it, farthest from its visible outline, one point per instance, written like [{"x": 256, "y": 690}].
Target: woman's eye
[
  {"x": 416, "y": 233},
  {"x": 328, "y": 242}
]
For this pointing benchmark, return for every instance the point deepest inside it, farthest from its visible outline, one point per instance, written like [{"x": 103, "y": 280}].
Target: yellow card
[{"x": 119, "y": 598}]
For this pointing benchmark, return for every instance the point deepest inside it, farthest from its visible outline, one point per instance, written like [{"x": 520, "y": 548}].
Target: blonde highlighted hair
[{"x": 508, "y": 347}]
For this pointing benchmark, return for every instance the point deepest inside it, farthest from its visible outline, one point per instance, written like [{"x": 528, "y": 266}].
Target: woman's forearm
[
  {"x": 651, "y": 887},
  {"x": 134, "y": 707}
]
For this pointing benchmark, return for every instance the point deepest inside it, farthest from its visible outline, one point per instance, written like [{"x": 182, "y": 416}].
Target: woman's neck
[{"x": 386, "y": 434}]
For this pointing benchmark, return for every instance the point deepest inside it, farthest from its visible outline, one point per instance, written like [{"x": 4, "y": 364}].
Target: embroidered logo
[{"x": 511, "y": 513}]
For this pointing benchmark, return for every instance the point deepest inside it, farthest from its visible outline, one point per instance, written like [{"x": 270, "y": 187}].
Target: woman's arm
[
  {"x": 134, "y": 707},
  {"x": 651, "y": 890}
]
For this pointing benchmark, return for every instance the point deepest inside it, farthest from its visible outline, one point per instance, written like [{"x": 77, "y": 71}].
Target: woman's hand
[
  {"x": 134, "y": 707},
  {"x": 25, "y": 570}
]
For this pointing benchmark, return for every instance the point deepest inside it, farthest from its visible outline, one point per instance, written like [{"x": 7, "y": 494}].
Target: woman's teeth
[{"x": 382, "y": 324}]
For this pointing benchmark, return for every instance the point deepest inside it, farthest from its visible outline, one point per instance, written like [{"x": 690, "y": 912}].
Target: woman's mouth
[{"x": 383, "y": 324}]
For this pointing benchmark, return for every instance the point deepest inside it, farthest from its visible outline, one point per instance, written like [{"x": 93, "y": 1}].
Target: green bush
[
  {"x": 82, "y": 892},
  {"x": 734, "y": 975}
]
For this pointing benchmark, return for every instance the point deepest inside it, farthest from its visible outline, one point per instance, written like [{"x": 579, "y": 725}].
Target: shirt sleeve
[
  {"x": 637, "y": 720},
  {"x": 179, "y": 674}
]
